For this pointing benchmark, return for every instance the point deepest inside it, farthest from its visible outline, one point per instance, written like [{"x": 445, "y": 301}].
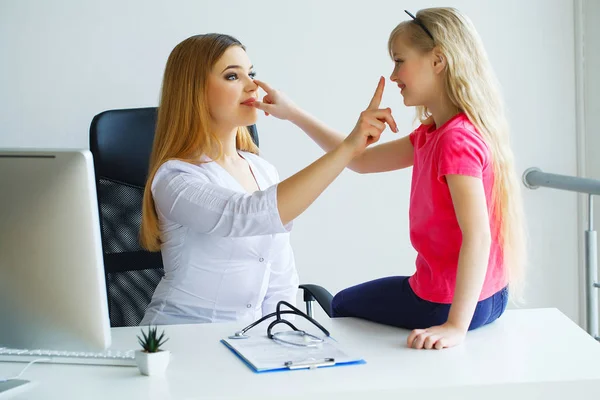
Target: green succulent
[{"x": 151, "y": 341}]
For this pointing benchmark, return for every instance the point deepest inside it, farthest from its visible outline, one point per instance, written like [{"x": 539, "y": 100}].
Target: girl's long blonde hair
[
  {"x": 473, "y": 88},
  {"x": 183, "y": 123}
]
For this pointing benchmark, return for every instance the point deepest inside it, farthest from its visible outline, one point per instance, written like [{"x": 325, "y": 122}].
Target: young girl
[
  {"x": 215, "y": 209},
  {"x": 465, "y": 206}
]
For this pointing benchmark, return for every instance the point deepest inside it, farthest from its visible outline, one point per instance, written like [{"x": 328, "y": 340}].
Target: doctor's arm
[
  {"x": 208, "y": 208},
  {"x": 193, "y": 201}
]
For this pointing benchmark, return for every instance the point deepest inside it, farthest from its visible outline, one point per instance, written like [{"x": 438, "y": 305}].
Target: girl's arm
[
  {"x": 389, "y": 156},
  {"x": 384, "y": 157},
  {"x": 470, "y": 206}
]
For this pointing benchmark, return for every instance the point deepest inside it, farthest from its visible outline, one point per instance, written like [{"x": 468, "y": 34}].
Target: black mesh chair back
[{"x": 121, "y": 143}]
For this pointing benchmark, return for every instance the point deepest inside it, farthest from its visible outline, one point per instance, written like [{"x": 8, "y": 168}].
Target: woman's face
[{"x": 231, "y": 90}]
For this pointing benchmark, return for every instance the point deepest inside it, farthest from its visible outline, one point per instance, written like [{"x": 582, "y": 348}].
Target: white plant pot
[{"x": 152, "y": 364}]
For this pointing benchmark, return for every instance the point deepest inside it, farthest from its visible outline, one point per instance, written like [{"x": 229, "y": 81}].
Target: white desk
[{"x": 527, "y": 354}]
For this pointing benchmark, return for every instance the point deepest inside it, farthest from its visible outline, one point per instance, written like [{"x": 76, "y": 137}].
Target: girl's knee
[{"x": 337, "y": 305}]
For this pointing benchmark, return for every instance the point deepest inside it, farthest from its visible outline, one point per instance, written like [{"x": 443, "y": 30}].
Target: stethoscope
[{"x": 305, "y": 339}]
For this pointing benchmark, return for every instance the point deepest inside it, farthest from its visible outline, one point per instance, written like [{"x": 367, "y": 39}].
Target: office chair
[{"x": 121, "y": 143}]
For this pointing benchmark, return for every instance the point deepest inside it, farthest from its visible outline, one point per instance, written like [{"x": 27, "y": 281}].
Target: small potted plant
[{"x": 152, "y": 360}]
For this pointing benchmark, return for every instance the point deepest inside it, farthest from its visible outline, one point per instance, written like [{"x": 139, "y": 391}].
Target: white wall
[
  {"x": 65, "y": 61},
  {"x": 590, "y": 35}
]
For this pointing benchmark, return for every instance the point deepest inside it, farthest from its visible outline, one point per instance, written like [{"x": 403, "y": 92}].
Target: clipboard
[{"x": 262, "y": 354}]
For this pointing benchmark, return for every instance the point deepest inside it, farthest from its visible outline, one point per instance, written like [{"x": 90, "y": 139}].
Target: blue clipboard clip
[{"x": 310, "y": 364}]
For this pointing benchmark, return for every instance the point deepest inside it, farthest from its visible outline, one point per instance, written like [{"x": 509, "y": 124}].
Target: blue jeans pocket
[{"x": 499, "y": 305}]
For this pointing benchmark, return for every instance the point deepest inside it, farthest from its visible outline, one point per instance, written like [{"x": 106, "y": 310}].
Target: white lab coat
[{"x": 226, "y": 253}]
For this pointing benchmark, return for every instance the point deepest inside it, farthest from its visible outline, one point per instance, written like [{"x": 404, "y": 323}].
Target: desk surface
[{"x": 539, "y": 353}]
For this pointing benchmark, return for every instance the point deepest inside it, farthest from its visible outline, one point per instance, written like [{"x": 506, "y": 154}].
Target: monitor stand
[{"x": 12, "y": 387}]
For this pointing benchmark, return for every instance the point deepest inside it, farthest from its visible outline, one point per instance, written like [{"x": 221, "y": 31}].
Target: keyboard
[{"x": 108, "y": 357}]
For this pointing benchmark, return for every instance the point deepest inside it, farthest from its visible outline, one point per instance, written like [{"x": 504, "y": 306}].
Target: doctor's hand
[
  {"x": 436, "y": 337},
  {"x": 275, "y": 103},
  {"x": 372, "y": 123}
]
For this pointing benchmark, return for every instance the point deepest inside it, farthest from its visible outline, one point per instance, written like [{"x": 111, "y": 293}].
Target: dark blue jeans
[{"x": 391, "y": 301}]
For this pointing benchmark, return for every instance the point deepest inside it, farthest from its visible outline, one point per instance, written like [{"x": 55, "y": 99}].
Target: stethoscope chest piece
[{"x": 239, "y": 335}]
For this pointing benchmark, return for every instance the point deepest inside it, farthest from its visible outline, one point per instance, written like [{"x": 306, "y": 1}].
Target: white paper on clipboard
[{"x": 263, "y": 354}]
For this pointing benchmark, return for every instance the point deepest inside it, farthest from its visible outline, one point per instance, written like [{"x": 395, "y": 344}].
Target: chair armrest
[{"x": 320, "y": 294}]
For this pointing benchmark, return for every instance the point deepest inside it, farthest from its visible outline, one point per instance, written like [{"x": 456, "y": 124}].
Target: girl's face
[
  {"x": 417, "y": 74},
  {"x": 231, "y": 90}
]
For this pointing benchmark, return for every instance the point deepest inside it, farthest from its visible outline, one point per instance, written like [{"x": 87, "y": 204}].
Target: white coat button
[
  {"x": 261, "y": 259},
  {"x": 249, "y": 305}
]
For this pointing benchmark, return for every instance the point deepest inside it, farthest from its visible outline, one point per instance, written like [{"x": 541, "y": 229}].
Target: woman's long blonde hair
[
  {"x": 473, "y": 88},
  {"x": 183, "y": 124}
]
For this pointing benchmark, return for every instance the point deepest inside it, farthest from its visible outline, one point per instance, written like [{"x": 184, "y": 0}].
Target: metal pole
[
  {"x": 533, "y": 178},
  {"x": 309, "y": 310},
  {"x": 591, "y": 265}
]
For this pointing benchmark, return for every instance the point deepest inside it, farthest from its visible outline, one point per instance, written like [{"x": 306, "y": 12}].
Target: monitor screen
[{"x": 52, "y": 287}]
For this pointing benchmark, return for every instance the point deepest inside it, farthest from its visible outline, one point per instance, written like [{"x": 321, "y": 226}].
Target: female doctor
[{"x": 217, "y": 210}]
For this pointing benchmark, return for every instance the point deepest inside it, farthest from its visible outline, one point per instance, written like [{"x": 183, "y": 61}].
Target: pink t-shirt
[{"x": 455, "y": 148}]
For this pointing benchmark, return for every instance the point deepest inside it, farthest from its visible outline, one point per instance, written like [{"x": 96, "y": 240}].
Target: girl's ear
[{"x": 439, "y": 60}]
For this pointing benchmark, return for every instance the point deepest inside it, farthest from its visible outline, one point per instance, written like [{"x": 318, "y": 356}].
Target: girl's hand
[
  {"x": 436, "y": 337},
  {"x": 275, "y": 103},
  {"x": 371, "y": 123}
]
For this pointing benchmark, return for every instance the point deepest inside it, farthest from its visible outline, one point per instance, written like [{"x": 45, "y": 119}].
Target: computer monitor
[{"x": 52, "y": 286}]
